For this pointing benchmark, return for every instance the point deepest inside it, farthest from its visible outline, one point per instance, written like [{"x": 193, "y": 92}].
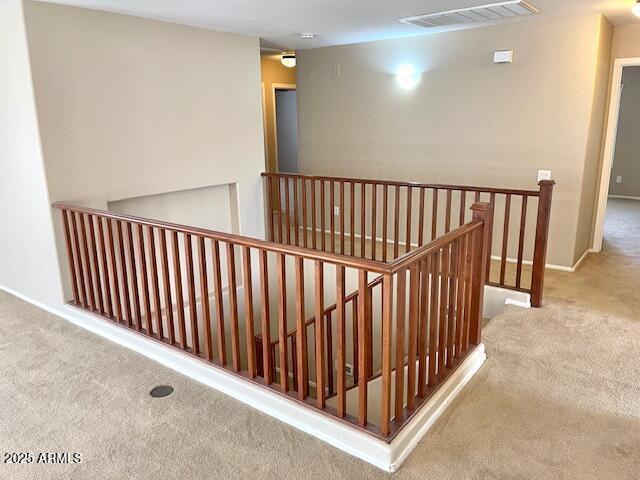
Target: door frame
[
  {"x": 610, "y": 146},
  {"x": 274, "y": 87}
]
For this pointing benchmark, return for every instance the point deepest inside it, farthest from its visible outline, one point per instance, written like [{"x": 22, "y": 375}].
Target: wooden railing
[
  {"x": 381, "y": 219},
  {"x": 210, "y": 294}
]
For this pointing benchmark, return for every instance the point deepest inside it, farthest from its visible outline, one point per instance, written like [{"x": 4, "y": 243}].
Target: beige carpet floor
[{"x": 559, "y": 397}]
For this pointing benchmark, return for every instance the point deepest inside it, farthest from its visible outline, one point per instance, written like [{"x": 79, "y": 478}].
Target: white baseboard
[
  {"x": 386, "y": 456},
  {"x": 626, "y": 197}
]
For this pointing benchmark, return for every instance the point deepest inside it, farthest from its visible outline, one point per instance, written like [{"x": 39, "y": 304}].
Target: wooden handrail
[{"x": 395, "y": 183}]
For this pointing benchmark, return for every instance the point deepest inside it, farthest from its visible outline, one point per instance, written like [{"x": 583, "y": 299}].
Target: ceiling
[{"x": 279, "y": 23}]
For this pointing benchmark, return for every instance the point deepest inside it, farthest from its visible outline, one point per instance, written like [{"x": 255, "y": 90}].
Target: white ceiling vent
[{"x": 482, "y": 13}]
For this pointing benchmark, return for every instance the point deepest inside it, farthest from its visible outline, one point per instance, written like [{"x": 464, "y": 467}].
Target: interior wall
[
  {"x": 468, "y": 121},
  {"x": 626, "y": 162},
  {"x": 272, "y": 72},
  {"x": 626, "y": 41},
  {"x": 28, "y": 262},
  {"x": 131, "y": 107}
]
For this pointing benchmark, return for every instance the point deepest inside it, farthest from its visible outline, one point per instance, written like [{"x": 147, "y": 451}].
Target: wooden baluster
[
  {"x": 248, "y": 309},
  {"x": 145, "y": 281},
  {"x": 164, "y": 261},
  {"x": 301, "y": 333},
  {"x": 314, "y": 214},
  {"x": 387, "y": 338},
  {"x": 87, "y": 262},
  {"x": 523, "y": 225},
  {"x": 542, "y": 236},
  {"x": 447, "y": 226},
  {"x": 433, "y": 317},
  {"x": 96, "y": 265},
  {"x": 294, "y": 363},
  {"x": 125, "y": 276},
  {"x": 319, "y": 334},
  {"x": 423, "y": 332},
  {"x": 282, "y": 322},
  {"x": 444, "y": 300},
  {"x": 477, "y": 197},
  {"x": 342, "y": 217},
  {"x": 134, "y": 277},
  {"x": 204, "y": 298},
  {"x": 461, "y": 281},
  {"x": 217, "y": 289},
  {"x": 191, "y": 289},
  {"x": 434, "y": 214},
  {"x": 272, "y": 225},
  {"x": 70, "y": 258},
  {"x": 412, "y": 337},
  {"x": 352, "y": 217},
  {"x": 233, "y": 306},
  {"x": 407, "y": 239},
  {"x": 296, "y": 223},
  {"x": 177, "y": 276},
  {"x": 463, "y": 208},
  {"x": 266, "y": 323},
  {"x": 374, "y": 204},
  {"x": 155, "y": 283},
  {"x": 332, "y": 215},
  {"x": 279, "y": 214},
  {"x": 421, "y": 219},
  {"x": 341, "y": 343},
  {"x": 385, "y": 221},
  {"x": 451, "y": 315},
  {"x": 287, "y": 207},
  {"x": 505, "y": 238},
  {"x": 363, "y": 213},
  {"x": 305, "y": 226},
  {"x": 74, "y": 228},
  {"x": 396, "y": 222},
  {"x": 323, "y": 217},
  {"x": 362, "y": 349},
  {"x": 117, "y": 310},
  {"x": 492, "y": 203},
  {"x": 330, "y": 363},
  {"x": 468, "y": 292},
  {"x": 354, "y": 336},
  {"x": 401, "y": 298}
]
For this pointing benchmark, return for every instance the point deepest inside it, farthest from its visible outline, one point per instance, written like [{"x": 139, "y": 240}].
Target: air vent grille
[{"x": 482, "y": 13}]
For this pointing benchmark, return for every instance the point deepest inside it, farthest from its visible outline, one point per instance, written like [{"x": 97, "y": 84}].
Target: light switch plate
[
  {"x": 336, "y": 210},
  {"x": 544, "y": 175},
  {"x": 619, "y": 179}
]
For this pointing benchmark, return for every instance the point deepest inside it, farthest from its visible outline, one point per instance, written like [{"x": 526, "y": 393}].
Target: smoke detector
[{"x": 481, "y": 13}]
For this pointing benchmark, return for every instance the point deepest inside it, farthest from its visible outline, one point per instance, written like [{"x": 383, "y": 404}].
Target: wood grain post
[
  {"x": 480, "y": 251},
  {"x": 542, "y": 236}
]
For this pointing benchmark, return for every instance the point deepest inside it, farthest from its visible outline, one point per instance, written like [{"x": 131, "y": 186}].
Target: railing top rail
[
  {"x": 468, "y": 188},
  {"x": 408, "y": 258},
  {"x": 337, "y": 259}
]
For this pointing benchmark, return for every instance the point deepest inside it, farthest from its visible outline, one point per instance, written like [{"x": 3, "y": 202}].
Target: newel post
[
  {"x": 542, "y": 235},
  {"x": 481, "y": 252}
]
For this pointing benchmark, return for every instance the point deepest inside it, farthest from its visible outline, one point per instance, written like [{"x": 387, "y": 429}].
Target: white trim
[
  {"x": 386, "y": 456},
  {"x": 610, "y": 146},
  {"x": 626, "y": 197},
  {"x": 581, "y": 259}
]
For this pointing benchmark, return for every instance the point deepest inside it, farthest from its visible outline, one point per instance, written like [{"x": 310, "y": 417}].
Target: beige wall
[
  {"x": 468, "y": 121},
  {"x": 626, "y": 161},
  {"x": 626, "y": 42},
  {"x": 28, "y": 261},
  {"x": 130, "y": 107},
  {"x": 273, "y": 72}
]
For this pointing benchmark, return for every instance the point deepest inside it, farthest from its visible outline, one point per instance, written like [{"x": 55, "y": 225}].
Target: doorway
[
  {"x": 617, "y": 228},
  {"x": 285, "y": 113}
]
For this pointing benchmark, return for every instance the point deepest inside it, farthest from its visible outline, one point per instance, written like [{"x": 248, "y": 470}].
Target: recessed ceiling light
[{"x": 307, "y": 36}]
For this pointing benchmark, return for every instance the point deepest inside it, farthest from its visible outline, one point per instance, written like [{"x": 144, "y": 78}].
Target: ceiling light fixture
[
  {"x": 307, "y": 36},
  {"x": 636, "y": 9},
  {"x": 288, "y": 59}
]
